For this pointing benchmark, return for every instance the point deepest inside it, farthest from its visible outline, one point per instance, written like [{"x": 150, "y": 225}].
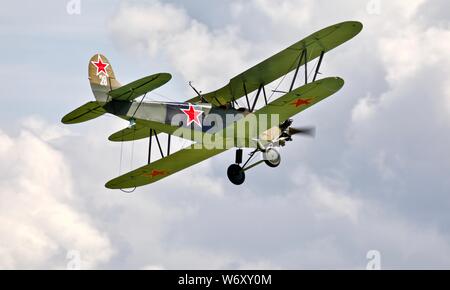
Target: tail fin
[{"x": 102, "y": 78}]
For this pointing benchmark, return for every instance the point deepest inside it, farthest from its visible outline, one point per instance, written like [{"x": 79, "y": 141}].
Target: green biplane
[{"x": 214, "y": 121}]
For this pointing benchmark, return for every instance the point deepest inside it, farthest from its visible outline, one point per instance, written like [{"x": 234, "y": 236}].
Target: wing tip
[
  {"x": 122, "y": 182},
  {"x": 110, "y": 185},
  {"x": 113, "y": 184},
  {"x": 337, "y": 83},
  {"x": 332, "y": 83},
  {"x": 166, "y": 76},
  {"x": 69, "y": 120},
  {"x": 64, "y": 120},
  {"x": 340, "y": 81},
  {"x": 112, "y": 138},
  {"x": 357, "y": 26}
]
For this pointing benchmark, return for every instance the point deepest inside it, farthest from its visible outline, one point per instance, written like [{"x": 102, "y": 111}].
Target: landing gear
[
  {"x": 272, "y": 157},
  {"x": 236, "y": 174}
]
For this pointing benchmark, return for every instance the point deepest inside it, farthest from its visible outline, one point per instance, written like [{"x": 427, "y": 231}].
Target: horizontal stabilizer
[
  {"x": 137, "y": 88},
  {"x": 88, "y": 111}
]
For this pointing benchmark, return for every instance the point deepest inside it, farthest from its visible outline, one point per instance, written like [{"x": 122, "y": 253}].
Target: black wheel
[
  {"x": 235, "y": 174},
  {"x": 272, "y": 157}
]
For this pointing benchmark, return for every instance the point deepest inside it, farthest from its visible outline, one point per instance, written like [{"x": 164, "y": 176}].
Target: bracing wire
[
  {"x": 121, "y": 156},
  {"x": 281, "y": 81},
  {"x": 120, "y": 168},
  {"x": 284, "y": 77},
  {"x": 132, "y": 147},
  {"x": 132, "y": 150},
  {"x": 163, "y": 96},
  {"x": 139, "y": 105},
  {"x": 131, "y": 161},
  {"x": 314, "y": 67}
]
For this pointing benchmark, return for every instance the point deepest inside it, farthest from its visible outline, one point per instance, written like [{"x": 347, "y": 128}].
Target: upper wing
[
  {"x": 138, "y": 88},
  {"x": 302, "y": 98},
  {"x": 283, "y": 62},
  {"x": 162, "y": 168},
  {"x": 88, "y": 111}
]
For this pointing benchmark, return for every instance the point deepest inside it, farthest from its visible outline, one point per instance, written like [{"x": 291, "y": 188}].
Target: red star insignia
[
  {"x": 155, "y": 173},
  {"x": 101, "y": 66},
  {"x": 301, "y": 102},
  {"x": 192, "y": 115}
]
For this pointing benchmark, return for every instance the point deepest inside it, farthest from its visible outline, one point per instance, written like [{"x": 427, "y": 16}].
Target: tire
[
  {"x": 235, "y": 174},
  {"x": 272, "y": 157}
]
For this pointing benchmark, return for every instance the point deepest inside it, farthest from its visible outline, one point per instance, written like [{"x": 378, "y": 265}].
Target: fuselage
[{"x": 220, "y": 126}]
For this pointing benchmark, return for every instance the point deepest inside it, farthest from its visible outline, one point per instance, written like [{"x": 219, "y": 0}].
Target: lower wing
[
  {"x": 302, "y": 98},
  {"x": 162, "y": 168}
]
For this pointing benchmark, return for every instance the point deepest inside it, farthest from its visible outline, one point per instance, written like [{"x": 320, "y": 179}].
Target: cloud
[
  {"x": 41, "y": 218},
  {"x": 192, "y": 48},
  {"x": 354, "y": 191},
  {"x": 423, "y": 50},
  {"x": 288, "y": 13},
  {"x": 364, "y": 109},
  {"x": 374, "y": 178}
]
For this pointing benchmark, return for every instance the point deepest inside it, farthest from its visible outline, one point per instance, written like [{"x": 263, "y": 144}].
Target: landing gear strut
[{"x": 235, "y": 172}]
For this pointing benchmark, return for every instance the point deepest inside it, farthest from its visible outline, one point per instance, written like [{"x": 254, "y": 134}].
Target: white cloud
[
  {"x": 40, "y": 216},
  {"x": 148, "y": 26},
  {"x": 285, "y": 12},
  {"x": 364, "y": 109},
  {"x": 406, "y": 9},
  {"x": 43, "y": 130},
  {"x": 406, "y": 51},
  {"x": 329, "y": 198},
  {"x": 383, "y": 162},
  {"x": 192, "y": 48},
  {"x": 330, "y": 201}
]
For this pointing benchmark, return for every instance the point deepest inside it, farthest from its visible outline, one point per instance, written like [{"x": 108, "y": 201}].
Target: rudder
[{"x": 101, "y": 78}]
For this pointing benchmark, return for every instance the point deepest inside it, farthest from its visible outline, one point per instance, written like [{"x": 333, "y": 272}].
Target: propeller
[
  {"x": 288, "y": 131},
  {"x": 306, "y": 131}
]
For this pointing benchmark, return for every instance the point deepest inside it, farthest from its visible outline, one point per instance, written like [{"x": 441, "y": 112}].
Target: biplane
[{"x": 215, "y": 122}]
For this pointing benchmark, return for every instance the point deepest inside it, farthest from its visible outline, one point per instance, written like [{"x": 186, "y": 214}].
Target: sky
[{"x": 373, "y": 183}]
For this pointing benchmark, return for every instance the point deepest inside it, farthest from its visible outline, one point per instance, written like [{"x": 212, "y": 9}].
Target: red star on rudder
[
  {"x": 101, "y": 66},
  {"x": 192, "y": 115},
  {"x": 301, "y": 102},
  {"x": 155, "y": 173}
]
